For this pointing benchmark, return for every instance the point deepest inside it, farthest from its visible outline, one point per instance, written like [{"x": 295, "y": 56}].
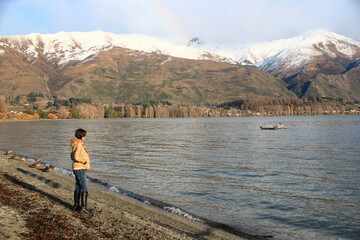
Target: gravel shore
[{"x": 35, "y": 204}]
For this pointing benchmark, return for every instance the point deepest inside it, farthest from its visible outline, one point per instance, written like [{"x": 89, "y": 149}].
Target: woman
[{"x": 81, "y": 162}]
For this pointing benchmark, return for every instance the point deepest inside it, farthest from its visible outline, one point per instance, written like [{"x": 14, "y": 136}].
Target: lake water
[{"x": 298, "y": 183}]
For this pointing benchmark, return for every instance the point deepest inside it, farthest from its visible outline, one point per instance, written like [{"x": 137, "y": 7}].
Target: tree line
[{"x": 83, "y": 109}]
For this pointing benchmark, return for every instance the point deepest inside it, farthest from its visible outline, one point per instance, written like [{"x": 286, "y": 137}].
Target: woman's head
[{"x": 80, "y": 133}]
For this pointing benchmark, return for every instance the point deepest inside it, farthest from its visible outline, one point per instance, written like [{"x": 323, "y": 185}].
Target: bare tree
[{"x": 3, "y": 107}]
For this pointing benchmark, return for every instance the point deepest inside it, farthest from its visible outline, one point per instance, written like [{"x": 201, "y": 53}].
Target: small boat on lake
[
  {"x": 273, "y": 127},
  {"x": 269, "y": 127}
]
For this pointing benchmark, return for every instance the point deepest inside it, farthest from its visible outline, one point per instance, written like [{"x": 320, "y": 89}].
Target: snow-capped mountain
[
  {"x": 296, "y": 51},
  {"x": 299, "y": 61},
  {"x": 284, "y": 54},
  {"x": 110, "y": 68},
  {"x": 287, "y": 54},
  {"x": 63, "y": 47}
]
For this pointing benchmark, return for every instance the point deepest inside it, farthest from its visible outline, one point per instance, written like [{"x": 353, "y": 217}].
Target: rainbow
[{"x": 171, "y": 25}]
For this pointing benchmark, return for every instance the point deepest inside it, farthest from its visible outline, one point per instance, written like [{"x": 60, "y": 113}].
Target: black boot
[
  {"x": 84, "y": 209},
  {"x": 77, "y": 200}
]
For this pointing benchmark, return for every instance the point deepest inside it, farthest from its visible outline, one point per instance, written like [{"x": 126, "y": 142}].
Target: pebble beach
[{"x": 35, "y": 204}]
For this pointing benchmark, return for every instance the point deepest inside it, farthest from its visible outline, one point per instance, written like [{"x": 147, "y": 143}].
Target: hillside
[
  {"x": 345, "y": 85},
  {"x": 126, "y": 76},
  {"x": 113, "y": 74},
  {"x": 110, "y": 68},
  {"x": 302, "y": 61}
]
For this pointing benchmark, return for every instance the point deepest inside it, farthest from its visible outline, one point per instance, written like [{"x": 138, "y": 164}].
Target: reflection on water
[{"x": 299, "y": 183}]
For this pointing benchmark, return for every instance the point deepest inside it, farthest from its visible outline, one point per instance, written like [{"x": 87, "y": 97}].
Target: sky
[{"x": 215, "y": 21}]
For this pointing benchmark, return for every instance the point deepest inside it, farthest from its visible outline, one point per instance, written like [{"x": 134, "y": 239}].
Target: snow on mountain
[
  {"x": 228, "y": 51},
  {"x": 296, "y": 51},
  {"x": 299, "y": 50},
  {"x": 64, "y": 47}
]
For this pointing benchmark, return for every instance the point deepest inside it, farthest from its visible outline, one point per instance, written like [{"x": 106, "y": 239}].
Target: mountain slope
[
  {"x": 62, "y": 48},
  {"x": 103, "y": 67},
  {"x": 345, "y": 85},
  {"x": 126, "y": 76},
  {"x": 129, "y": 68},
  {"x": 18, "y": 76},
  {"x": 300, "y": 60}
]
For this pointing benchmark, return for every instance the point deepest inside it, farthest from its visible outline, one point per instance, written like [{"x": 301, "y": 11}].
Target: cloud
[
  {"x": 233, "y": 21},
  {"x": 132, "y": 16}
]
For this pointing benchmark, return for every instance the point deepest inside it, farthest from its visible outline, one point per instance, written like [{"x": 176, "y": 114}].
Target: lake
[{"x": 297, "y": 183}]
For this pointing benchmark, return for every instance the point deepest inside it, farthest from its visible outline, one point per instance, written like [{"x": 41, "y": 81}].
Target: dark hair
[{"x": 80, "y": 133}]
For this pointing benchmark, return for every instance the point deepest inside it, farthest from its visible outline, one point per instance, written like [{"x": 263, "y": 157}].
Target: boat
[
  {"x": 269, "y": 127},
  {"x": 273, "y": 127}
]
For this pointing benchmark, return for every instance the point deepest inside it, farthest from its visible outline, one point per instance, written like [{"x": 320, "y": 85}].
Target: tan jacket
[{"x": 79, "y": 155}]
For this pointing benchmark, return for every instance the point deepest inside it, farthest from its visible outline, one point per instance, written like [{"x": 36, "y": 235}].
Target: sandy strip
[{"x": 37, "y": 203}]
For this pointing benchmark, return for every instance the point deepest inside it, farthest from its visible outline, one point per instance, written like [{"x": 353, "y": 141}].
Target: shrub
[
  {"x": 74, "y": 113},
  {"x": 42, "y": 114}
]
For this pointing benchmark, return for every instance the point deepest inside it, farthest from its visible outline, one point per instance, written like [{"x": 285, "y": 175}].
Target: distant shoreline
[{"x": 109, "y": 119}]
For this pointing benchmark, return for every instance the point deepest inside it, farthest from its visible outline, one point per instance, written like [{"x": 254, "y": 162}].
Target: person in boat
[{"x": 81, "y": 163}]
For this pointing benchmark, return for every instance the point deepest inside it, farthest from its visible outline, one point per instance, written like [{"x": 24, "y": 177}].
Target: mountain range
[
  {"x": 314, "y": 64},
  {"x": 111, "y": 68}
]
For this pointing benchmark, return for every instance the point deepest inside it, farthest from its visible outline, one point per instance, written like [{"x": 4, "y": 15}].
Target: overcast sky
[{"x": 217, "y": 21}]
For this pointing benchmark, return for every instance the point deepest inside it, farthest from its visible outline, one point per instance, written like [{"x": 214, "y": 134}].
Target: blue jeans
[{"x": 81, "y": 181}]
